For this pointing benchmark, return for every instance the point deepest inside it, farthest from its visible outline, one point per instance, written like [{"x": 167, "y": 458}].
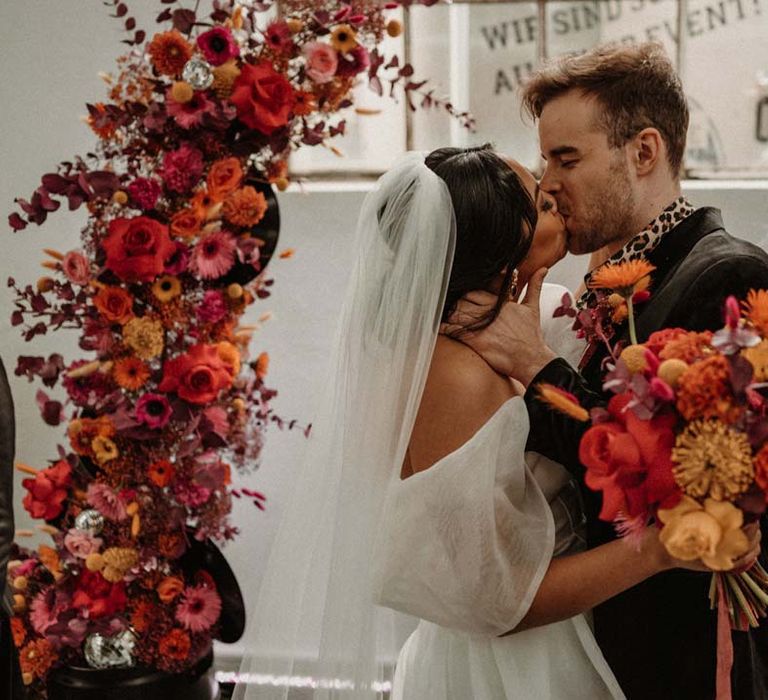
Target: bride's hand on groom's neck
[{"x": 514, "y": 343}]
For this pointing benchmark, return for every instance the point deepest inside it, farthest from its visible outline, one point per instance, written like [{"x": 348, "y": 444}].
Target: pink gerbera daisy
[
  {"x": 106, "y": 501},
  {"x": 199, "y": 608},
  {"x": 214, "y": 255},
  {"x": 189, "y": 114}
]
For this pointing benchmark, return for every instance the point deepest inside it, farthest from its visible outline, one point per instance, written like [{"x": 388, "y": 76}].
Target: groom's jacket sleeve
[
  {"x": 691, "y": 297},
  {"x": 7, "y": 445}
]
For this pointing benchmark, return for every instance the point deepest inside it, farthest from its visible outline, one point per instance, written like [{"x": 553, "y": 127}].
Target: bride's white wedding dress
[{"x": 466, "y": 545}]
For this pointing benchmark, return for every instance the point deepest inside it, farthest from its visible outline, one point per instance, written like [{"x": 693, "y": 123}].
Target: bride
[{"x": 418, "y": 514}]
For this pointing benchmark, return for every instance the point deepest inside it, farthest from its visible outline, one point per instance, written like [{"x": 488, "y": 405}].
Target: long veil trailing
[{"x": 315, "y": 619}]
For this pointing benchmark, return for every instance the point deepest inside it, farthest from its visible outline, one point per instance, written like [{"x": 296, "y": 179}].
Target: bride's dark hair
[{"x": 495, "y": 219}]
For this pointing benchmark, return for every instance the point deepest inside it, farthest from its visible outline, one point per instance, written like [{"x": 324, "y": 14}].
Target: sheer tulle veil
[{"x": 315, "y": 619}]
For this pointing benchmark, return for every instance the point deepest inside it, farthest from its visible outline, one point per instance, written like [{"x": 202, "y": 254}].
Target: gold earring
[{"x": 512, "y": 294}]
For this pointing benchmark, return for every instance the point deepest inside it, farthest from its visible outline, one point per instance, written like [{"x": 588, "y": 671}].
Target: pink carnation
[
  {"x": 213, "y": 307},
  {"x": 182, "y": 168},
  {"x": 109, "y": 503},
  {"x": 179, "y": 260},
  {"x": 199, "y": 608},
  {"x": 144, "y": 192},
  {"x": 322, "y": 61},
  {"x": 218, "y": 46},
  {"x": 44, "y": 611},
  {"x": 76, "y": 267},
  {"x": 80, "y": 543}
]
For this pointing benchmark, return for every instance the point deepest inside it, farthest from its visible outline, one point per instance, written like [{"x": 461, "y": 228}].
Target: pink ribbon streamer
[{"x": 724, "y": 645}]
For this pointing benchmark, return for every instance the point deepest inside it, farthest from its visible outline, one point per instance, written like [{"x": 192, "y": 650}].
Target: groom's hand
[{"x": 514, "y": 343}]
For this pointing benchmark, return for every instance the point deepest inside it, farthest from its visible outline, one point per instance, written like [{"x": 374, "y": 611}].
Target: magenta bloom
[
  {"x": 353, "y": 62},
  {"x": 153, "y": 410},
  {"x": 199, "y": 608},
  {"x": 43, "y": 610},
  {"x": 218, "y": 46},
  {"x": 106, "y": 501},
  {"x": 182, "y": 168},
  {"x": 278, "y": 37},
  {"x": 214, "y": 255},
  {"x": 85, "y": 390},
  {"x": 179, "y": 260},
  {"x": 189, "y": 114},
  {"x": 213, "y": 307},
  {"x": 76, "y": 267},
  {"x": 322, "y": 61},
  {"x": 144, "y": 192}
]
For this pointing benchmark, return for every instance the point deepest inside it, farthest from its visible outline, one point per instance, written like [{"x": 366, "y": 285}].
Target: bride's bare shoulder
[{"x": 461, "y": 394}]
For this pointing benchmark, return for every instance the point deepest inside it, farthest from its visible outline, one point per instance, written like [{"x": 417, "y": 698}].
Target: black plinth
[{"x": 74, "y": 683}]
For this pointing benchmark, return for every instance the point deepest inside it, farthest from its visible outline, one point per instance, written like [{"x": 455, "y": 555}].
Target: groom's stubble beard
[{"x": 607, "y": 211}]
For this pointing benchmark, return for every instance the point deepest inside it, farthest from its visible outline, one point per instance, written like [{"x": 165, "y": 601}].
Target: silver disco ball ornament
[
  {"x": 110, "y": 652},
  {"x": 198, "y": 73},
  {"x": 90, "y": 521}
]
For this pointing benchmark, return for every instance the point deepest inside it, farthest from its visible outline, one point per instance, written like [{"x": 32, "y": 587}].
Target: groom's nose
[{"x": 549, "y": 183}]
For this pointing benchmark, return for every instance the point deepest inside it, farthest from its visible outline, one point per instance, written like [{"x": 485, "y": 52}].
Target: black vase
[{"x": 78, "y": 683}]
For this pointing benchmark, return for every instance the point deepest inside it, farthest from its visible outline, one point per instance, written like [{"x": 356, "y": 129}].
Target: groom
[{"x": 612, "y": 127}]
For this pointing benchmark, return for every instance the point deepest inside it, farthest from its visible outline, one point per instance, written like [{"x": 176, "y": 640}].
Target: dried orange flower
[
  {"x": 175, "y": 645},
  {"x": 304, "y": 103},
  {"x": 262, "y": 365},
  {"x": 712, "y": 460},
  {"x": 104, "y": 450},
  {"x": 704, "y": 389},
  {"x": 562, "y": 401},
  {"x": 161, "y": 473},
  {"x": 187, "y": 223},
  {"x": 82, "y": 431},
  {"x": 144, "y": 336},
  {"x": 49, "y": 558},
  {"x": 143, "y": 616},
  {"x": 756, "y": 309},
  {"x": 169, "y": 588},
  {"x": 688, "y": 347},
  {"x": 36, "y": 658},
  {"x": 169, "y": 52},
  {"x": 130, "y": 373},
  {"x": 344, "y": 38},
  {"x": 18, "y": 631},
  {"x": 245, "y": 207},
  {"x": 624, "y": 278},
  {"x": 230, "y": 356},
  {"x": 166, "y": 288},
  {"x": 100, "y": 122},
  {"x": 224, "y": 77}
]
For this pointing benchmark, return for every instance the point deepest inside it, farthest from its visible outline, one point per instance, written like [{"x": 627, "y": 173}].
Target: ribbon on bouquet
[{"x": 724, "y": 645}]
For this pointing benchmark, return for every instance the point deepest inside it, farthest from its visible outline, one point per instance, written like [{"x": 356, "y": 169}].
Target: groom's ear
[{"x": 648, "y": 151}]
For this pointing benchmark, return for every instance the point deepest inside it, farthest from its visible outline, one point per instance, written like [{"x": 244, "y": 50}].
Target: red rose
[
  {"x": 263, "y": 98},
  {"x": 47, "y": 491},
  {"x": 630, "y": 461},
  {"x": 137, "y": 248},
  {"x": 98, "y": 595},
  {"x": 198, "y": 376}
]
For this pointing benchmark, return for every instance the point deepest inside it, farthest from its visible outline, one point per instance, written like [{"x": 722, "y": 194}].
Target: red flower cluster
[
  {"x": 137, "y": 248},
  {"x": 197, "y": 376},
  {"x": 47, "y": 491},
  {"x": 98, "y": 596}
]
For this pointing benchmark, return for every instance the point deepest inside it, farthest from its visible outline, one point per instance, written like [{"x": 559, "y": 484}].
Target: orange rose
[
  {"x": 114, "y": 304},
  {"x": 169, "y": 588},
  {"x": 187, "y": 222},
  {"x": 224, "y": 176},
  {"x": 197, "y": 376}
]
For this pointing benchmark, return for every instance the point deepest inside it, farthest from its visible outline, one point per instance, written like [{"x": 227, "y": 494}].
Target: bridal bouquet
[
  {"x": 169, "y": 403},
  {"x": 684, "y": 438}
]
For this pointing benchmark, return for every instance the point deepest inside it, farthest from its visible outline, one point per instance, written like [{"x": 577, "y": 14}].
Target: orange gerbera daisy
[
  {"x": 624, "y": 278},
  {"x": 562, "y": 401},
  {"x": 130, "y": 373},
  {"x": 169, "y": 52},
  {"x": 161, "y": 473},
  {"x": 175, "y": 645},
  {"x": 36, "y": 658},
  {"x": 304, "y": 103},
  {"x": 143, "y": 615},
  {"x": 245, "y": 207},
  {"x": 756, "y": 309}
]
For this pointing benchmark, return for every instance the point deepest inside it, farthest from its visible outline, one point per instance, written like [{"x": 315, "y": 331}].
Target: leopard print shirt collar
[{"x": 643, "y": 243}]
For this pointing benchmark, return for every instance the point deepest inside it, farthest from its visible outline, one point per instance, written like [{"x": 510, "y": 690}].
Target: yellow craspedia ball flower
[
  {"x": 182, "y": 92},
  {"x": 634, "y": 358},
  {"x": 670, "y": 371},
  {"x": 394, "y": 28}
]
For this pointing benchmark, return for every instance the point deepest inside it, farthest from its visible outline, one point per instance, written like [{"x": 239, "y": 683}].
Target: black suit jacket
[
  {"x": 7, "y": 449},
  {"x": 659, "y": 637}
]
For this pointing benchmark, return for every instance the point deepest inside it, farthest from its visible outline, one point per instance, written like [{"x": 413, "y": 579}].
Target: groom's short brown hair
[{"x": 635, "y": 84}]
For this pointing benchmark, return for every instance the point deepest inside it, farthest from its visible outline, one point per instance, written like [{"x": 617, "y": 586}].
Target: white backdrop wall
[{"x": 51, "y": 51}]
